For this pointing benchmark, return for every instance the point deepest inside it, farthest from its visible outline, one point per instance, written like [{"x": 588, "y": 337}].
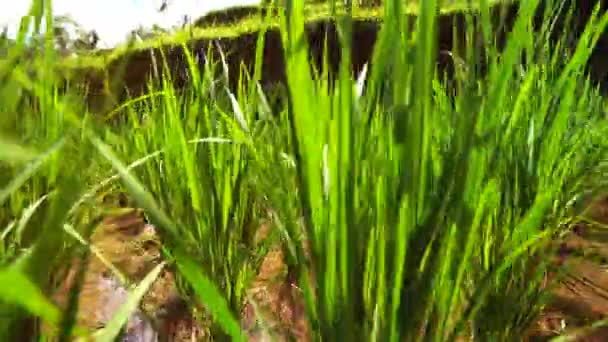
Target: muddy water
[
  {"x": 110, "y": 295},
  {"x": 133, "y": 247},
  {"x": 275, "y": 309}
]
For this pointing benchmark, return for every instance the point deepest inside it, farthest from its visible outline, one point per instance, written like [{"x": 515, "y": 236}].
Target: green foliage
[{"x": 429, "y": 206}]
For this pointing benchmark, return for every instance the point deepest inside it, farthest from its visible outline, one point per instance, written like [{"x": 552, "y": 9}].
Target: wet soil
[
  {"x": 581, "y": 295},
  {"x": 275, "y": 308},
  {"x": 132, "y": 246}
]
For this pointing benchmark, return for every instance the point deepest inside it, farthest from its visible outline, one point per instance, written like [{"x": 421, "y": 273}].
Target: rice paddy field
[{"x": 374, "y": 196}]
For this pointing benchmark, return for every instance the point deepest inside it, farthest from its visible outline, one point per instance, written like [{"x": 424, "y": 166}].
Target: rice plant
[{"x": 410, "y": 206}]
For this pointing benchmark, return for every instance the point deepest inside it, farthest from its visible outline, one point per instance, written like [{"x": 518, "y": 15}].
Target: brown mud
[
  {"x": 581, "y": 296},
  {"x": 133, "y": 248},
  {"x": 579, "y": 299},
  {"x": 275, "y": 308}
]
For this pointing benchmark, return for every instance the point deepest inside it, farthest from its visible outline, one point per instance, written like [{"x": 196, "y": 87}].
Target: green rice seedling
[
  {"x": 429, "y": 206},
  {"x": 203, "y": 145},
  {"x": 464, "y": 196},
  {"x": 50, "y": 122},
  {"x": 36, "y": 191}
]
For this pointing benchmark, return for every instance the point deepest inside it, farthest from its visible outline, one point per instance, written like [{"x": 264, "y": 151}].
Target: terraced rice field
[{"x": 430, "y": 176}]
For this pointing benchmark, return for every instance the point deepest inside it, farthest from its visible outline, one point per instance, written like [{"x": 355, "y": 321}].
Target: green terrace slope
[
  {"x": 234, "y": 32},
  {"x": 235, "y": 21}
]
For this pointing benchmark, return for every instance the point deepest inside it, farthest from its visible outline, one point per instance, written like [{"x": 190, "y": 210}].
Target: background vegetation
[{"x": 429, "y": 207}]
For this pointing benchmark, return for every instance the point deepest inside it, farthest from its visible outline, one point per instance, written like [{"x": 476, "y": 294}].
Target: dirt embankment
[{"x": 129, "y": 73}]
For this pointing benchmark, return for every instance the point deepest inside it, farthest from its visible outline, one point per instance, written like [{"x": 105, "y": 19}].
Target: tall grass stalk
[{"x": 430, "y": 228}]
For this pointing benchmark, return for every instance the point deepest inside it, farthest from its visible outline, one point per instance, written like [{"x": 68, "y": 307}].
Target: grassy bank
[
  {"x": 233, "y": 34},
  {"x": 428, "y": 207}
]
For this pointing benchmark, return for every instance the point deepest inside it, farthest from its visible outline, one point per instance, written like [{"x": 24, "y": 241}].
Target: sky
[{"x": 113, "y": 19}]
